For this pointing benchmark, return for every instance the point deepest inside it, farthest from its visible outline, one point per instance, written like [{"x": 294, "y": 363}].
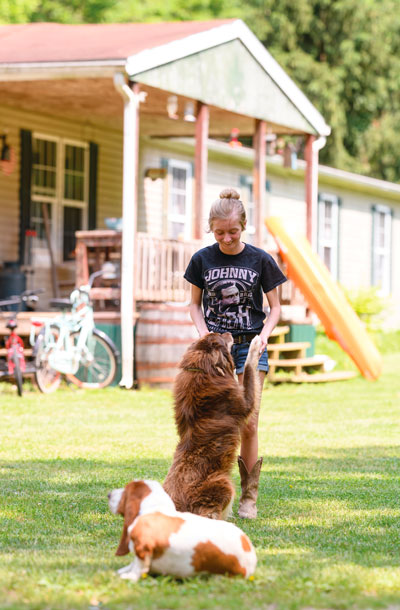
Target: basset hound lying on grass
[{"x": 166, "y": 541}]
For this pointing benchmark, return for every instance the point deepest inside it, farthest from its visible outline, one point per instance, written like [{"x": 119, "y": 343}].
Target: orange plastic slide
[{"x": 326, "y": 299}]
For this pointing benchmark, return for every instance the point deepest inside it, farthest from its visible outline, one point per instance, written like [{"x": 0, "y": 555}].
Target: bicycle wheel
[
  {"x": 17, "y": 372},
  {"x": 98, "y": 370},
  {"x": 47, "y": 379}
]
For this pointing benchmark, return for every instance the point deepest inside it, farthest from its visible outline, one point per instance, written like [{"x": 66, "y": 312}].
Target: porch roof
[
  {"x": 57, "y": 42},
  {"x": 218, "y": 62}
]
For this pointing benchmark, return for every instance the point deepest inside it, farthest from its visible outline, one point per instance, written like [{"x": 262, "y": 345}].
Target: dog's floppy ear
[
  {"x": 123, "y": 547},
  {"x": 129, "y": 507},
  {"x": 221, "y": 359}
]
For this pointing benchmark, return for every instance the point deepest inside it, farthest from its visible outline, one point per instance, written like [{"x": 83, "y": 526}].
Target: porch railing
[
  {"x": 159, "y": 268},
  {"x": 159, "y": 265}
]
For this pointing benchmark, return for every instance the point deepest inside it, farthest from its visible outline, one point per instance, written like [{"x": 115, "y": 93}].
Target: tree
[{"x": 343, "y": 54}]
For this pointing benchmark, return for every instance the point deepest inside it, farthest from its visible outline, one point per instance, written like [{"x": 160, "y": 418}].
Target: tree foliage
[{"x": 344, "y": 55}]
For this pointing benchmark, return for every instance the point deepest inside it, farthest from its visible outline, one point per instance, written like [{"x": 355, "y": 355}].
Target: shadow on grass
[
  {"x": 48, "y": 503},
  {"x": 343, "y": 505}
]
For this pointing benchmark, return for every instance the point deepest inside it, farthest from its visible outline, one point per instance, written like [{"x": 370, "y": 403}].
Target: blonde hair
[{"x": 227, "y": 205}]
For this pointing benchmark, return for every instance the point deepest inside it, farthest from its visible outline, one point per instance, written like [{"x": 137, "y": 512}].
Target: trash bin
[
  {"x": 12, "y": 281},
  {"x": 303, "y": 332}
]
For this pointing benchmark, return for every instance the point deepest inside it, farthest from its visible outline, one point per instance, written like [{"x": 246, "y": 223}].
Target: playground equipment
[{"x": 326, "y": 299}]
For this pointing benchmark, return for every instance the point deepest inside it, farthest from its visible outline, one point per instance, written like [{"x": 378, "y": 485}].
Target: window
[
  {"x": 328, "y": 231},
  {"x": 180, "y": 200},
  {"x": 246, "y": 186},
  {"x": 381, "y": 247},
  {"x": 60, "y": 171}
]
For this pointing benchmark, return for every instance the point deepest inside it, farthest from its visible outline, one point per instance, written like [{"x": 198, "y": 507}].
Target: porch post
[
  {"x": 313, "y": 146},
  {"x": 131, "y": 95},
  {"x": 259, "y": 175},
  {"x": 311, "y": 187},
  {"x": 200, "y": 167}
]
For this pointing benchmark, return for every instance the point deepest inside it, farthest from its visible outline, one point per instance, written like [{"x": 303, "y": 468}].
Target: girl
[{"x": 228, "y": 279}]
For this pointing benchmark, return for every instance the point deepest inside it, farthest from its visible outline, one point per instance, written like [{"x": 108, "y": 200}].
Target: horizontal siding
[
  {"x": 9, "y": 191},
  {"x": 394, "y": 314},
  {"x": 285, "y": 199},
  {"x": 151, "y": 212},
  {"x": 109, "y": 179},
  {"x": 110, "y": 161}
]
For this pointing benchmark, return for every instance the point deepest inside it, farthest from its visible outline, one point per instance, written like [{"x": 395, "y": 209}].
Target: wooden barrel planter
[{"x": 163, "y": 333}]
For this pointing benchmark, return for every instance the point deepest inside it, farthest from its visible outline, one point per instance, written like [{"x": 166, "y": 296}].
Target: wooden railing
[
  {"x": 159, "y": 265},
  {"x": 159, "y": 268}
]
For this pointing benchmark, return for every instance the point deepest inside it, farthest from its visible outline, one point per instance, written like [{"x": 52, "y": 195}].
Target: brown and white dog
[
  {"x": 210, "y": 408},
  {"x": 166, "y": 541}
]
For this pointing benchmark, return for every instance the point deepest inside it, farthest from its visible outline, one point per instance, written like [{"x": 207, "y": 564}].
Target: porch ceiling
[
  {"x": 95, "y": 100},
  {"x": 68, "y": 70}
]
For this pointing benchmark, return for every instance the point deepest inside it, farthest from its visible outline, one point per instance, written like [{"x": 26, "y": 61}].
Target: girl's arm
[
  {"x": 273, "y": 318},
  {"x": 196, "y": 312}
]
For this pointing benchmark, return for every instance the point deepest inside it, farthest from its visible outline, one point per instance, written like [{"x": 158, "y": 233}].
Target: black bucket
[{"x": 12, "y": 282}]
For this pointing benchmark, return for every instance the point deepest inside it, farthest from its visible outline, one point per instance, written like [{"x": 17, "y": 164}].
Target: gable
[{"x": 229, "y": 77}]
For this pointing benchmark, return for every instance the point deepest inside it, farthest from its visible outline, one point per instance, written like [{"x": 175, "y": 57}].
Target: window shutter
[
  {"x": 246, "y": 181},
  {"x": 25, "y": 188},
  {"x": 93, "y": 163}
]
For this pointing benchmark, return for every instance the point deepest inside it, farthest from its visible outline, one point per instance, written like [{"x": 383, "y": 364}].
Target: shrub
[{"x": 368, "y": 304}]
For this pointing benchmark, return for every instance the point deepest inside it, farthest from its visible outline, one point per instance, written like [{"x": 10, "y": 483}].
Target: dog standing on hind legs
[{"x": 210, "y": 408}]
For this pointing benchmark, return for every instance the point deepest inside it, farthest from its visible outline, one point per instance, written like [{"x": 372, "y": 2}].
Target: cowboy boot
[{"x": 249, "y": 484}]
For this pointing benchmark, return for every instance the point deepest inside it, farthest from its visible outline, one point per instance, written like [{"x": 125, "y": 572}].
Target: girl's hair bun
[
  {"x": 229, "y": 194},
  {"x": 227, "y": 205}
]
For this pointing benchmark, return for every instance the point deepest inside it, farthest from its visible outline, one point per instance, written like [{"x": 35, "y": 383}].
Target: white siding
[
  {"x": 286, "y": 197},
  {"x": 109, "y": 186}
]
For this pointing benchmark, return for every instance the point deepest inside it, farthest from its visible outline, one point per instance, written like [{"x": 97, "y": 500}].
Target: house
[{"x": 132, "y": 121}]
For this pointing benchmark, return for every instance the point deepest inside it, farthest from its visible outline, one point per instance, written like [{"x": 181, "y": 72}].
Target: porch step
[
  {"x": 313, "y": 378},
  {"x": 296, "y": 349},
  {"x": 23, "y": 321},
  {"x": 27, "y": 352},
  {"x": 278, "y": 334},
  {"x": 298, "y": 364}
]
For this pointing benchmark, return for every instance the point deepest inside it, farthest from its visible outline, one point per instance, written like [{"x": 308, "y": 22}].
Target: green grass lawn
[{"x": 328, "y": 532}]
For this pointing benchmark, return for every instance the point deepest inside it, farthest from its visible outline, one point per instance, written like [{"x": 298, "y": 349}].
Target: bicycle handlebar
[
  {"x": 108, "y": 272},
  {"x": 10, "y": 301},
  {"x": 17, "y": 299}
]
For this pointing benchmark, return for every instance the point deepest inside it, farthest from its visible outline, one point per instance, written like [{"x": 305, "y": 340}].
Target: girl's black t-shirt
[{"x": 232, "y": 287}]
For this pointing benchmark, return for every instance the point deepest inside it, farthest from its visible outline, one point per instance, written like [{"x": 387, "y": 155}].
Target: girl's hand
[{"x": 204, "y": 333}]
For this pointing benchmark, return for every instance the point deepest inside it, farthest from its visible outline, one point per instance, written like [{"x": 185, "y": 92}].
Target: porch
[{"x": 76, "y": 111}]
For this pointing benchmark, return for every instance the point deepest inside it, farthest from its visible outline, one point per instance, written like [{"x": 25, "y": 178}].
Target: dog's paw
[
  {"x": 254, "y": 351},
  {"x": 124, "y": 569},
  {"x": 131, "y": 575}
]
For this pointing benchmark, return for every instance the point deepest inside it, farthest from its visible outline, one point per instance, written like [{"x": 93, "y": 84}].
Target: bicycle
[
  {"x": 70, "y": 345},
  {"x": 15, "y": 364}
]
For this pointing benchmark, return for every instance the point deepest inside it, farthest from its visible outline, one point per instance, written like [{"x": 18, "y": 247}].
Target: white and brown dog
[{"x": 166, "y": 541}]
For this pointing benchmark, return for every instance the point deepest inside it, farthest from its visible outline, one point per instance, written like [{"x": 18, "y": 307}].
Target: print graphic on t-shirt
[{"x": 228, "y": 293}]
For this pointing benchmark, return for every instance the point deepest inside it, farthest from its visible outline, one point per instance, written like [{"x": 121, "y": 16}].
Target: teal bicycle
[{"x": 69, "y": 345}]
